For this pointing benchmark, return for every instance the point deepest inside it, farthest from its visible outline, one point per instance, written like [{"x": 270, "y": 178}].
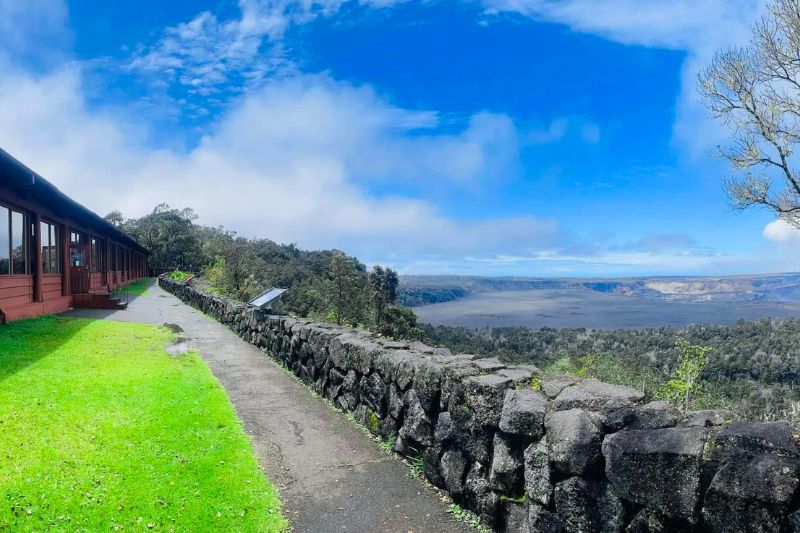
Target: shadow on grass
[{"x": 25, "y": 342}]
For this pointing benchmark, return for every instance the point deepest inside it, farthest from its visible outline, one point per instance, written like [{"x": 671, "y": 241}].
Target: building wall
[
  {"x": 16, "y": 291},
  {"x": 18, "y": 298}
]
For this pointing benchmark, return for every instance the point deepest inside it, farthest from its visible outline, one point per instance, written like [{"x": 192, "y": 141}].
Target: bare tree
[{"x": 755, "y": 91}]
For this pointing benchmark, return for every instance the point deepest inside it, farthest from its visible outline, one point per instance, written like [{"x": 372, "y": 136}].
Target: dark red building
[{"x": 54, "y": 253}]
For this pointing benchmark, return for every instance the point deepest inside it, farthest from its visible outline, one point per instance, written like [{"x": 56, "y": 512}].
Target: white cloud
[
  {"x": 676, "y": 24},
  {"x": 206, "y": 53},
  {"x": 286, "y": 163},
  {"x": 697, "y": 27},
  {"x": 782, "y": 232}
]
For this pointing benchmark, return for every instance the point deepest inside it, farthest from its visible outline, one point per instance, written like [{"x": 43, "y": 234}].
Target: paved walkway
[{"x": 330, "y": 475}]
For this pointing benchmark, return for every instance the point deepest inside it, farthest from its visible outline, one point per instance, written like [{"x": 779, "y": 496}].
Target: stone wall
[{"x": 535, "y": 453}]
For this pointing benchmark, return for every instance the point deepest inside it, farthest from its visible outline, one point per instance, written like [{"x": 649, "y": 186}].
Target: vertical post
[
  {"x": 106, "y": 264},
  {"x": 66, "y": 282},
  {"x": 38, "y": 295}
]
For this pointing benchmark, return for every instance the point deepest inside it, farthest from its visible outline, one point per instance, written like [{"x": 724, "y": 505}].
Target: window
[
  {"x": 19, "y": 245},
  {"x": 98, "y": 253},
  {"x": 5, "y": 243},
  {"x": 51, "y": 248},
  {"x": 14, "y": 242}
]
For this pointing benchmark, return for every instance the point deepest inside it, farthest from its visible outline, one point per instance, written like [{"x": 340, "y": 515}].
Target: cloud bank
[{"x": 303, "y": 158}]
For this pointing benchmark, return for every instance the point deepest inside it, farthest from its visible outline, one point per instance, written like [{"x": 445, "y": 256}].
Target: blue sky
[{"x": 512, "y": 137}]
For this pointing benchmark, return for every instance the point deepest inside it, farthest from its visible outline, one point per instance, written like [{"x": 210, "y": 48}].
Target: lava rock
[
  {"x": 655, "y": 415},
  {"x": 523, "y": 413},
  {"x": 453, "y": 376},
  {"x": 417, "y": 426},
  {"x": 587, "y": 506},
  {"x": 657, "y": 468},
  {"x": 395, "y": 401},
  {"x": 489, "y": 364},
  {"x": 540, "y": 520},
  {"x": 485, "y": 395},
  {"x": 553, "y": 385},
  {"x": 445, "y": 431},
  {"x": 646, "y": 521},
  {"x": 537, "y": 473},
  {"x": 515, "y": 516},
  {"x": 520, "y": 376},
  {"x": 573, "y": 442},
  {"x": 427, "y": 383},
  {"x": 616, "y": 414},
  {"x": 774, "y": 438},
  {"x": 706, "y": 418},
  {"x": 336, "y": 379},
  {"x": 593, "y": 394},
  {"x": 373, "y": 393},
  {"x": 453, "y": 466},
  {"x": 751, "y": 495},
  {"x": 506, "y": 472},
  {"x": 479, "y": 495}
]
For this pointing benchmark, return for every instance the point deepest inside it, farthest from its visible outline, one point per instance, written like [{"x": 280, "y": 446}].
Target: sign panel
[{"x": 267, "y": 297}]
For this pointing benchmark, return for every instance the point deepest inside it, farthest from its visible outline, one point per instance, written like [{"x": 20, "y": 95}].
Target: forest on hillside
[
  {"x": 326, "y": 285},
  {"x": 752, "y": 368}
]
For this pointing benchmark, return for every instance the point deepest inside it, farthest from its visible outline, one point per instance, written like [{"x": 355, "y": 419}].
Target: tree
[
  {"x": 755, "y": 91},
  {"x": 683, "y": 385},
  {"x": 383, "y": 290},
  {"x": 345, "y": 288},
  {"x": 170, "y": 236},
  {"x": 115, "y": 218}
]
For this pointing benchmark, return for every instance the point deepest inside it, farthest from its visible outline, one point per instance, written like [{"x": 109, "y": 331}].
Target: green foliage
[
  {"x": 345, "y": 289},
  {"x": 168, "y": 233},
  {"x": 753, "y": 369},
  {"x": 467, "y": 517},
  {"x": 400, "y": 323},
  {"x": 388, "y": 444},
  {"x": 178, "y": 275},
  {"x": 562, "y": 365},
  {"x": 324, "y": 285},
  {"x": 684, "y": 384},
  {"x": 118, "y": 435},
  {"x": 417, "y": 469},
  {"x": 383, "y": 290}
]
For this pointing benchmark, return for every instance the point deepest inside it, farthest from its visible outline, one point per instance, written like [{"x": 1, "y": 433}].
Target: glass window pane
[
  {"x": 5, "y": 246},
  {"x": 44, "y": 229},
  {"x": 18, "y": 239},
  {"x": 55, "y": 248}
]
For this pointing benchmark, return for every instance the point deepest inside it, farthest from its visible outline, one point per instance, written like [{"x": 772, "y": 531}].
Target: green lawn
[
  {"x": 101, "y": 430},
  {"x": 139, "y": 288}
]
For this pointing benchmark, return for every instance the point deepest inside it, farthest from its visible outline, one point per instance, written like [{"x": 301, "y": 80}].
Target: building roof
[{"x": 45, "y": 193}]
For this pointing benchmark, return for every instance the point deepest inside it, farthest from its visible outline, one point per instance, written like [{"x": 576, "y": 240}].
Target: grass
[
  {"x": 139, "y": 288},
  {"x": 101, "y": 430},
  {"x": 178, "y": 276}
]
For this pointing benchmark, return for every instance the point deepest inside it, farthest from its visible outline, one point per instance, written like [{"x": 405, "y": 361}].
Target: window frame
[
  {"x": 26, "y": 241},
  {"x": 54, "y": 231}
]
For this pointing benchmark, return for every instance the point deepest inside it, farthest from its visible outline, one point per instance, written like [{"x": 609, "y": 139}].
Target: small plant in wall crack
[
  {"x": 468, "y": 517},
  {"x": 417, "y": 468},
  {"x": 388, "y": 444}
]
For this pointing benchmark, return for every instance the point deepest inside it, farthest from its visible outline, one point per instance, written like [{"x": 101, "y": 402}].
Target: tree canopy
[{"x": 755, "y": 91}]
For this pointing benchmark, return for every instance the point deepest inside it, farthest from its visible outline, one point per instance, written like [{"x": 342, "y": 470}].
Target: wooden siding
[
  {"x": 51, "y": 287},
  {"x": 96, "y": 281},
  {"x": 15, "y": 290}
]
